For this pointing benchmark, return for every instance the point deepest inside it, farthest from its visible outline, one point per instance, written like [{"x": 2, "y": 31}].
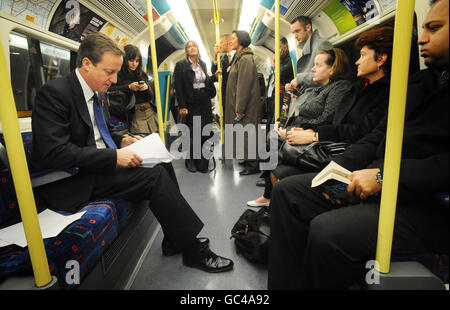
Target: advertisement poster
[
  {"x": 74, "y": 21},
  {"x": 340, "y": 16},
  {"x": 361, "y": 10},
  {"x": 348, "y": 14}
]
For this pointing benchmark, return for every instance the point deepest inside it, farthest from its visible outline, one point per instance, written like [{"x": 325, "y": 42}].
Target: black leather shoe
[
  {"x": 168, "y": 250},
  {"x": 208, "y": 261},
  {"x": 248, "y": 172}
]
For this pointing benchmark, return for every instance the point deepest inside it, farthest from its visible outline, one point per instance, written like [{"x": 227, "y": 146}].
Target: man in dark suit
[
  {"x": 69, "y": 130},
  {"x": 322, "y": 243},
  {"x": 225, "y": 62}
]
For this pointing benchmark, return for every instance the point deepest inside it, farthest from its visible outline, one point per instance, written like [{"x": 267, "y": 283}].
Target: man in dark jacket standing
[
  {"x": 320, "y": 243},
  {"x": 225, "y": 62}
]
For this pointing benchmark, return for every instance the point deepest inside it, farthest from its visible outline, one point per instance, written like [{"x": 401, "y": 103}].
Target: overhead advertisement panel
[
  {"x": 348, "y": 14},
  {"x": 74, "y": 21},
  {"x": 35, "y": 12}
]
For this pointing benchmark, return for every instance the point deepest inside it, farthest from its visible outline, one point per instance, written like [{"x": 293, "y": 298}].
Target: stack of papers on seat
[
  {"x": 51, "y": 224},
  {"x": 152, "y": 150}
]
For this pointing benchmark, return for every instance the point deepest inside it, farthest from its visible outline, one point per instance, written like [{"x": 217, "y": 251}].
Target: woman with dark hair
[
  {"x": 355, "y": 117},
  {"x": 133, "y": 81},
  {"x": 243, "y": 104},
  {"x": 194, "y": 90}
]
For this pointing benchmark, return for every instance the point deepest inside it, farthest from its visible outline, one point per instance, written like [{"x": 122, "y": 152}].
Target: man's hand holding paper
[{"x": 148, "y": 152}]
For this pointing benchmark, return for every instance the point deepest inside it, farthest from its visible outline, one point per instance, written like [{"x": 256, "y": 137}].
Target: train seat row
[{"x": 87, "y": 241}]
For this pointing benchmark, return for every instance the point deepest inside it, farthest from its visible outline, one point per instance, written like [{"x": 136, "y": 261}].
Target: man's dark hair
[
  {"x": 94, "y": 46},
  {"x": 304, "y": 20}
]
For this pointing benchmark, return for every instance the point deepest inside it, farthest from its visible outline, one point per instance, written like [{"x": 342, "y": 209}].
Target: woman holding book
[{"x": 354, "y": 118}]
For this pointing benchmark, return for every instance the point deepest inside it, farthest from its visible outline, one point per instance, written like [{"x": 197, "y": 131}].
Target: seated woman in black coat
[
  {"x": 194, "y": 90},
  {"x": 354, "y": 118},
  {"x": 133, "y": 81}
]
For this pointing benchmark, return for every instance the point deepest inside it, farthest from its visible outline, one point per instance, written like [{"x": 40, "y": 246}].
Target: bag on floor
[{"x": 251, "y": 235}]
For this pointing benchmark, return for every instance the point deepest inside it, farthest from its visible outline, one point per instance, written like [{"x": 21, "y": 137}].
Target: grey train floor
[{"x": 219, "y": 198}]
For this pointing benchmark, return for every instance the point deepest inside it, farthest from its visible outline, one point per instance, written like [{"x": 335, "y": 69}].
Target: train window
[
  {"x": 55, "y": 60},
  {"x": 34, "y": 63}
]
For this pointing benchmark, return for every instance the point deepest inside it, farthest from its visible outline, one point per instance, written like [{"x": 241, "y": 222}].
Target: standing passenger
[
  {"x": 194, "y": 90},
  {"x": 310, "y": 42},
  {"x": 225, "y": 63},
  {"x": 243, "y": 96}
]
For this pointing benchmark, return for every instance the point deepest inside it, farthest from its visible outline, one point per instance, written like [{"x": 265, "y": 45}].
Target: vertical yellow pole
[
  {"x": 277, "y": 59},
  {"x": 167, "y": 102},
  {"x": 151, "y": 31},
  {"x": 293, "y": 68},
  {"x": 217, "y": 23},
  {"x": 21, "y": 178},
  {"x": 394, "y": 133}
]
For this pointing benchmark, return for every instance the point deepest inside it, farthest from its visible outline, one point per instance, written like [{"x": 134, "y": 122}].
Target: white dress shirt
[{"x": 89, "y": 97}]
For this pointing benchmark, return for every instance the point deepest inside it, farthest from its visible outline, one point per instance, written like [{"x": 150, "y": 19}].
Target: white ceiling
[{"x": 203, "y": 14}]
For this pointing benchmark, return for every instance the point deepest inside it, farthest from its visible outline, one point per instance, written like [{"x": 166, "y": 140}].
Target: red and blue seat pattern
[{"x": 84, "y": 241}]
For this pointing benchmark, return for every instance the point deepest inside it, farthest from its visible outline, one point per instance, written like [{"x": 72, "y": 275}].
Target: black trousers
[
  {"x": 319, "y": 245},
  {"x": 201, "y": 108},
  {"x": 179, "y": 222}
]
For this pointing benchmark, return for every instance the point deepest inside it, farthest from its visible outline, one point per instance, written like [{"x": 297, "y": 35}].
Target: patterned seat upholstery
[{"x": 84, "y": 241}]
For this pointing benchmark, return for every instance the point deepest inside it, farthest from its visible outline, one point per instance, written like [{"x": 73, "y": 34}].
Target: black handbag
[
  {"x": 121, "y": 104},
  {"x": 251, "y": 235},
  {"x": 310, "y": 157}
]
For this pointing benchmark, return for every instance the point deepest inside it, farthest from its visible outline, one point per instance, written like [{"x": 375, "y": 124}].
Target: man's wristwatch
[
  {"x": 379, "y": 178},
  {"x": 314, "y": 139}
]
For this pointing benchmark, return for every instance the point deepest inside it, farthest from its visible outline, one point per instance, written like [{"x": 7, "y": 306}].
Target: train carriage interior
[{"x": 116, "y": 244}]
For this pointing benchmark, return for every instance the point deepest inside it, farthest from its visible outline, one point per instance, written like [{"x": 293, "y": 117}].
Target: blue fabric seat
[
  {"x": 85, "y": 240},
  {"x": 118, "y": 124}
]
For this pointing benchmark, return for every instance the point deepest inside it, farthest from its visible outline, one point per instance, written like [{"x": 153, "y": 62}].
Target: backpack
[{"x": 251, "y": 235}]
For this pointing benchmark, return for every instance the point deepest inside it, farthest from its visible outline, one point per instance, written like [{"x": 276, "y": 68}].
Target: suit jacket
[
  {"x": 63, "y": 137},
  {"x": 424, "y": 168},
  {"x": 224, "y": 64},
  {"x": 184, "y": 84}
]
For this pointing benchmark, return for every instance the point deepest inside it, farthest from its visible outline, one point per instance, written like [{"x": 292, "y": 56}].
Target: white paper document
[
  {"x": 51, "y": 224},
  {"x": 152, "y": 150}
]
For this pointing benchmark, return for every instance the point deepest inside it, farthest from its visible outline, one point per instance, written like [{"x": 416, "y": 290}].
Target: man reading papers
[{"x": 69, "y": 130}]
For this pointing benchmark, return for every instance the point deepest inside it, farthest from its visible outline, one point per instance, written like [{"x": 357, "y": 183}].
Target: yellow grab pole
[
  {"x": 167, "y": 102},
  {"x": 394, "y": 133},
  {"x": 277, "y": 59},
  {"x": 151, "y": 31},
  {"x": 219, "y": 78},
  {"x": 293, "y": 68},
  {"x": 21, "y": 178}
]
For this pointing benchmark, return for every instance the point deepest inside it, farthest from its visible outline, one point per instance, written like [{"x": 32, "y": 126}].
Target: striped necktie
[{"x": 101, "y": 124}]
